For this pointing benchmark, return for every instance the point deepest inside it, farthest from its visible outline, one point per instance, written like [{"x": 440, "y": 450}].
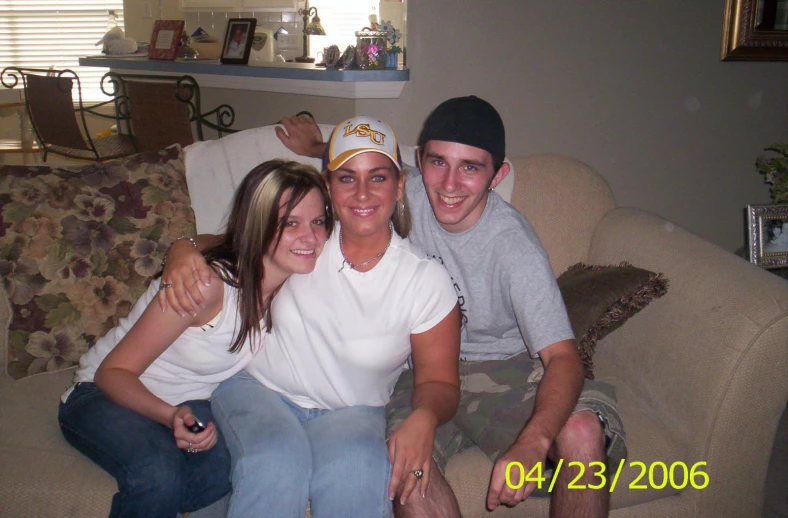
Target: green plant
[{"x": 775, "y": 171}]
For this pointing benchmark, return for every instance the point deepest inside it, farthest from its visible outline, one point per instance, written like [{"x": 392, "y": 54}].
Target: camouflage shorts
[{"x": 496, "y": 400}]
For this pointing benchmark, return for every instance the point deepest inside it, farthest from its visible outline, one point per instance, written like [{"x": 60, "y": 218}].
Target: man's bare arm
[
  {"x": 556, "y": 398},
  {"x": 558, "y": 391},
  {"x": 302, "y": 136}
]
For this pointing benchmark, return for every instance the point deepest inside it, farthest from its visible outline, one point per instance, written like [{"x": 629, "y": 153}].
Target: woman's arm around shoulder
[{"x": 186, "y": 269}]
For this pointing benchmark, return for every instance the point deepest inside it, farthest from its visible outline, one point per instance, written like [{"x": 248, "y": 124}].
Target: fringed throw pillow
[{"x": 600, "y": 299}]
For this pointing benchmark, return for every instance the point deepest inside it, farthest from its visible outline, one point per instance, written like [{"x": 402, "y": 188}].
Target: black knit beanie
[{"x": 466, "y": 120}]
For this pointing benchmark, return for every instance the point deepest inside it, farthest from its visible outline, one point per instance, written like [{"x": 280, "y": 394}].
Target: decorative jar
[{"x": 371, "y": 49}]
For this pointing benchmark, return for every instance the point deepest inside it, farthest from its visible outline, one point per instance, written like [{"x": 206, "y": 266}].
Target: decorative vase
[
  {"x": 371, "y": 49},
  {"x": 392, "y": 60}
]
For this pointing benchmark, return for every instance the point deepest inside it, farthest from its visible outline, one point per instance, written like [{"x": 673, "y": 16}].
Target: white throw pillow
[{"x": 215, "y": 168}]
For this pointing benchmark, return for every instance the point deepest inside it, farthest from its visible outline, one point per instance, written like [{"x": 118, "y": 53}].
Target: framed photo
[
  {"x": 755, "y": 30},
  {"x": 768, "y": 235},
  {"x": 238, "y": 41},
  {"x": 166, "y": 39}
]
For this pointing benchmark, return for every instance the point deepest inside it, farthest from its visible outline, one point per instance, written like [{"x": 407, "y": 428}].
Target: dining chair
[
  {"x": 58, "y": 115},
  {"x": 164, "y": 110}
]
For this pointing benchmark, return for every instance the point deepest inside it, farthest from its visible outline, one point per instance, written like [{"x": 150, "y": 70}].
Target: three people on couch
[
  {"x": 513, "y": 326},
  {"x": 145, "y": 385}
]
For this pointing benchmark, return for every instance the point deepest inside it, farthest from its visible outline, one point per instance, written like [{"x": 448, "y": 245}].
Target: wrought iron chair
[
  {"x": 57, "y": 115},
  {"x": 163, "y": 110}
]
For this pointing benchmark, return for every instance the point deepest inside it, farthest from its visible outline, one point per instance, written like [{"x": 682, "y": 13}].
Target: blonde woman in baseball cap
[{"x": 306, "y": 421}]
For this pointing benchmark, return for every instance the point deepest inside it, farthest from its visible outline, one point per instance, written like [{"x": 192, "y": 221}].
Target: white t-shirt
[
  {"x": 193, "y": 366},
  {"x": 341, "y": 339}
]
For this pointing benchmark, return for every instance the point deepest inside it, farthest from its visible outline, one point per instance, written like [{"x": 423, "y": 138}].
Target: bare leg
[
  {"x": 439, "y": 503},
  {"x": 581, "y": 440}
]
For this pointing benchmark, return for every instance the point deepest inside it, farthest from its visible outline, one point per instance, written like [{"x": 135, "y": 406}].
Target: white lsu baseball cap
[{"x": 360, "y": 135}]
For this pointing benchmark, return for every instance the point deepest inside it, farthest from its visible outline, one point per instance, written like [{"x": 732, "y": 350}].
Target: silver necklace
[{"x": 361, "y": 265}]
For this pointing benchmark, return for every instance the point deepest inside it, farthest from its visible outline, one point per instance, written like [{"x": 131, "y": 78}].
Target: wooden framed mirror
[{"x": 755, "y": 30}]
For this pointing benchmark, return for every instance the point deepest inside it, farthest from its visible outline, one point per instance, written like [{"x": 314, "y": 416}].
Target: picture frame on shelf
[
  {"x": 166, "y": 39},
  {"x": 767, "y": 230},
  {"x": 238, "y": 41}
]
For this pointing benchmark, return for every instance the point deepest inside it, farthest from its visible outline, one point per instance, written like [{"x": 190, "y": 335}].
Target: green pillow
[{"x": 599, "y": 299}]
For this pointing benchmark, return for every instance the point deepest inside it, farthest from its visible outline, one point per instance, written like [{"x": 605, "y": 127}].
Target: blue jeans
[
  {"x": 284, "y": 455},
  {"x": 155, "y": 477}
]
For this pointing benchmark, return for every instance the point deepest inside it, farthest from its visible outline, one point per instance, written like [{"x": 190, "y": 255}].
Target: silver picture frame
[{"x": 767, "y": 230}]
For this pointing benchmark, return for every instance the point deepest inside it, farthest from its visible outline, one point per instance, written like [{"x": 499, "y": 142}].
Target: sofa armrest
[{"x": 710, "y": 358}]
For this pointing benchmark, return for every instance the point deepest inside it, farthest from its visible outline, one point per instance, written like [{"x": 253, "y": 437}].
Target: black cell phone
[{"x": 197, "y": 427}]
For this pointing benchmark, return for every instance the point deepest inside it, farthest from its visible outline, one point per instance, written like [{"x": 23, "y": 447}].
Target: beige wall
[
  {"x": 633, "y": 88},
  {"x": 141, "y": 28}
]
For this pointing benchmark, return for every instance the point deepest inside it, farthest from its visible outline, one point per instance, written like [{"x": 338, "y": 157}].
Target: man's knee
[
  {"x": 439, "y": 502},
  {"x": 582, "y": 434}
]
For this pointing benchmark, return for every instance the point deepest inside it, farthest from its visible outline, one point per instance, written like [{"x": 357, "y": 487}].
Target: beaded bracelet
[{"x": 189, "y": 238}]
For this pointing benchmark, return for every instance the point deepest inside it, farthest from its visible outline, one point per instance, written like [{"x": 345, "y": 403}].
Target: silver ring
[
  {"x": 419, "y": 473},
  {"x": 165, "y": 285},
  {"x": 190, "y": 449}
]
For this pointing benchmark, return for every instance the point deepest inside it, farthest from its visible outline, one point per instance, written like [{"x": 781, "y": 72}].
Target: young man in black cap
[{"x": 523, "y": 393}]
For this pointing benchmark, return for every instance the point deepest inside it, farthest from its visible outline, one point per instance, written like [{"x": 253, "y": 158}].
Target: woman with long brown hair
[
  {"x": 307, "y": 417},
  {"x": 140, "y": 404}
]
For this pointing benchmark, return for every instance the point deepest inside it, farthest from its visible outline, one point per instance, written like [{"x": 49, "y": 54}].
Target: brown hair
[{"x": 254, "y": 228}]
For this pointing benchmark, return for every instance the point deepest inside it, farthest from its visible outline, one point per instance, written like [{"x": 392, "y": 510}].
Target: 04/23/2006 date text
[{"x": 657, "y": 475}]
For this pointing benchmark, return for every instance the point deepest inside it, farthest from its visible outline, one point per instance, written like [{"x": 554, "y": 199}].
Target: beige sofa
[{"x": 700, "y": 373}]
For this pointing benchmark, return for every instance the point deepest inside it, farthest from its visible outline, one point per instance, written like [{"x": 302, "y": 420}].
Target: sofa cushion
[
  {"x": 215, "y": 168},
  {"x": 78, "y": 246},
  {"x": 43, "y": 475},
  {"x": 599, "y": 299}
]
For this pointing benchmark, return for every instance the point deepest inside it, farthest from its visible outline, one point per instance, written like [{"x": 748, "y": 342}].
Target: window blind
[
  {"x": 341, "y": 19},
  {"x": 55, "y": 33}
]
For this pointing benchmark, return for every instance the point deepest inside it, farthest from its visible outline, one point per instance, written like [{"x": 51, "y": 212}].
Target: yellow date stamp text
[{"x": 657, "y": 475}]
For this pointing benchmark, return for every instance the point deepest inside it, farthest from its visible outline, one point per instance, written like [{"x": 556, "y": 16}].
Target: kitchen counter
[{"x": 291, "y": 78}]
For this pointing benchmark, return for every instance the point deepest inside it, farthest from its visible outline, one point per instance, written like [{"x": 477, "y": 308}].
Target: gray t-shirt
[{"x": 505, "y": 287}]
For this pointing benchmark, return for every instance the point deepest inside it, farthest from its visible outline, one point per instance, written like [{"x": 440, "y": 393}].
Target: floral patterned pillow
[{"x": 78, "y": 245}]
